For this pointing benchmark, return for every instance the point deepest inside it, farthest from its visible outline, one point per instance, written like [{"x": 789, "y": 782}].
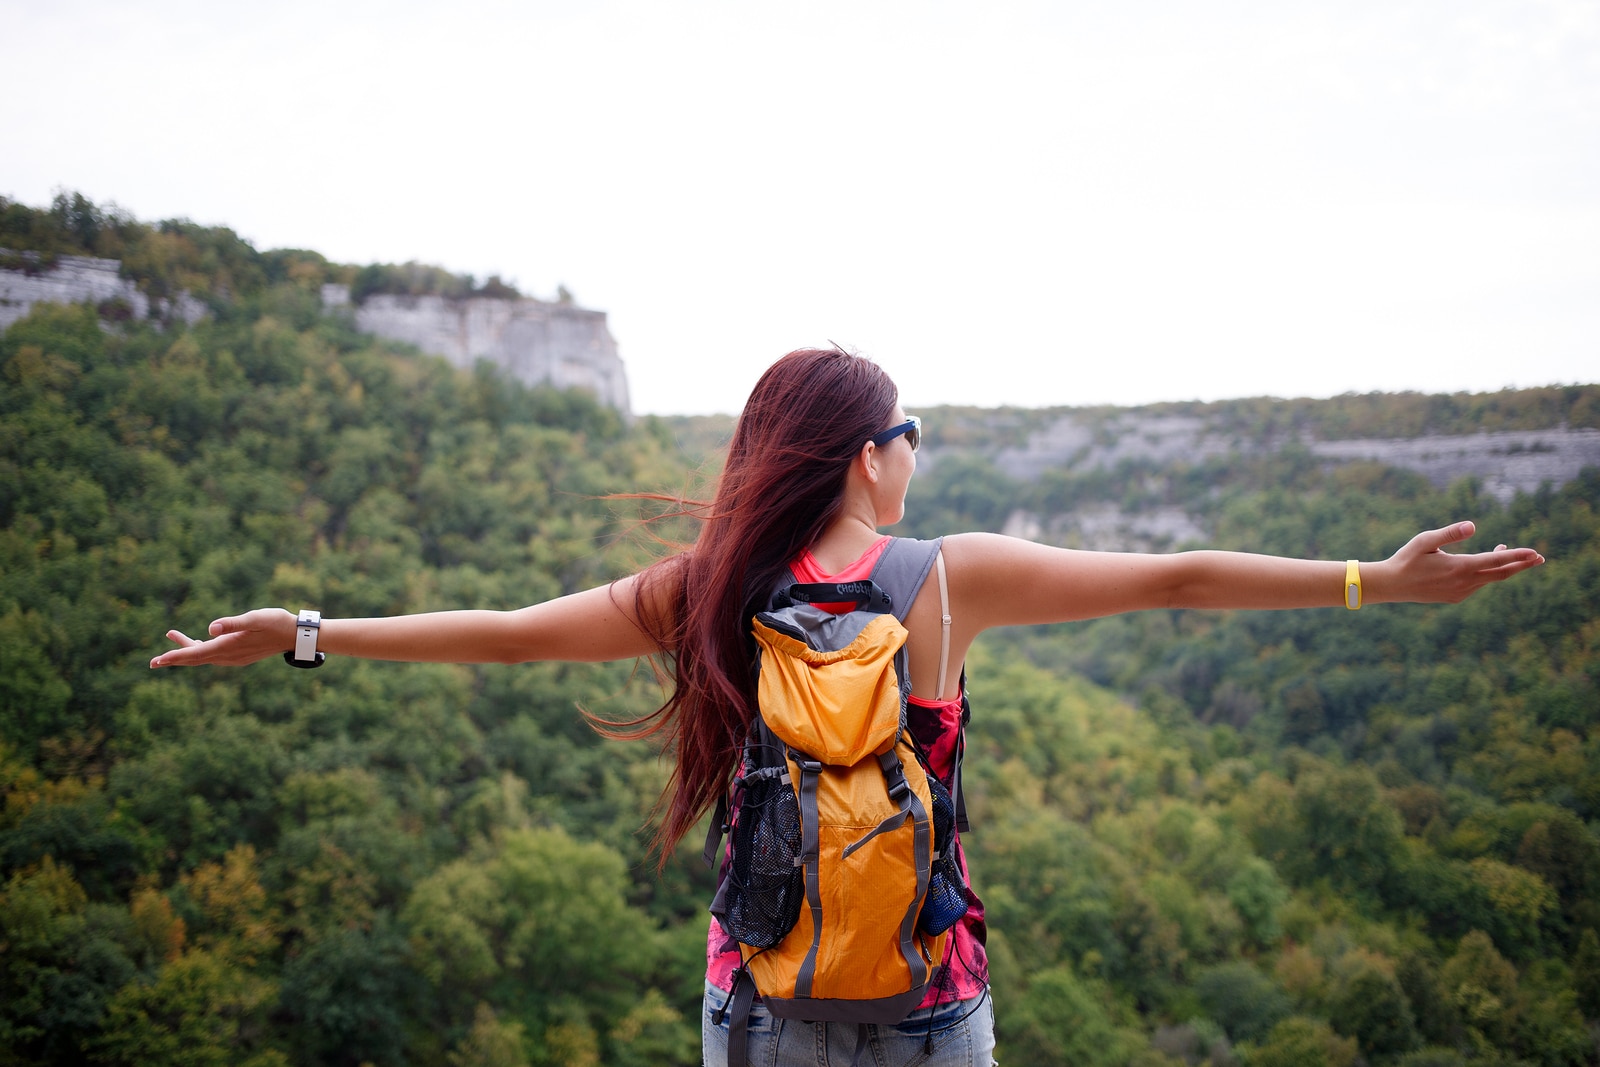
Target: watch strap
[{"x": 306, "y": 627}]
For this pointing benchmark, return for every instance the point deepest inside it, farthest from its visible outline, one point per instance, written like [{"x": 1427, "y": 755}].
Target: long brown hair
[{"x": 783, "y": 483}]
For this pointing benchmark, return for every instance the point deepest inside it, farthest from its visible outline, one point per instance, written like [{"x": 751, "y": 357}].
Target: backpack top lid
[
  {"x": 823, "y": 688},
  {"x": 837, "y": 706}
]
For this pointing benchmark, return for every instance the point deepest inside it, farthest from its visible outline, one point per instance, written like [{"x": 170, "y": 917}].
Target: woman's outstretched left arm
[{"x": 1007, "y": 582}]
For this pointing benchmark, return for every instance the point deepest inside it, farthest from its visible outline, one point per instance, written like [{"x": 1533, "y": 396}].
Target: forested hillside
[{"x": 1293, "y": 839}]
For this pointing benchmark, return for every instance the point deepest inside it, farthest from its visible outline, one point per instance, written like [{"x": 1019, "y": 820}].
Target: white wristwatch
[{"x": 305, "y": 652}]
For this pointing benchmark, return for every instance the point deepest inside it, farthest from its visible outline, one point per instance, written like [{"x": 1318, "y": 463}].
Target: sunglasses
[{"x": 912, "y": 428}]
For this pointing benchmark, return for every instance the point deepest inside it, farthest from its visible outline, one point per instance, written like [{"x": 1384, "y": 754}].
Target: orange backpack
[{"x": 842, "y": 882}]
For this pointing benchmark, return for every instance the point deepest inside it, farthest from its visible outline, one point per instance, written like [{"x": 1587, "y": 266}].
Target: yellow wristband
[{"x": 1352, "y": 585}]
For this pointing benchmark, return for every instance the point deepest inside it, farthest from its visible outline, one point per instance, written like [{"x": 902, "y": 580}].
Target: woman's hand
[
  {"x": 1423, "y": 572},
  {"x": 235, "y": 641}
]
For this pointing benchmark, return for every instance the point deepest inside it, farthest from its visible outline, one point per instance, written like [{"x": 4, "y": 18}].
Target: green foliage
[
  {"x": 1369, "y": 1005},
  {"x": 1586, "y": 974},
  {"x": 417, "y": 279},
  {"x": 215, "y": 870},
  {"x": 1294, "y": 838},
  {"x": 72, "y": 225},
  {"x": 1243, "y": 1000},
  {"x": 1060, "y": 1019},
  {"x": 210, "y": 263},
  {"x": 960, "y": 492},
  {"x": 201, "y": 1011},
  {"x": 1301, "y": 1042}
]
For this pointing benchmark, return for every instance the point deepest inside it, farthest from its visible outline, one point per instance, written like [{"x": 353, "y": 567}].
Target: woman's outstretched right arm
[{"x": 597, "y": 624}]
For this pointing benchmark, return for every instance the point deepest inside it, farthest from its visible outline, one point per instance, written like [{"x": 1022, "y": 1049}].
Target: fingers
[
  {"x": 225, "y": 651},
  {"x": 1434, "y": 540},
  {"x": 1449, "y": 535},
  {"x": 1497, "y": 566},
  {"x": 179, "y": 638},
  {"x": 235, "y": 640},
  {"x": 226, "y": 625},
  {"x": 172, "y": 656},
  {"x": 1429, "y": 574},
  {"x": 189, "y": 653},
  {"x": 1523, "y": 559}
]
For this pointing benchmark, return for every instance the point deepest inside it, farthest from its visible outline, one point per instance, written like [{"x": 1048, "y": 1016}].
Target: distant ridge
[
  {"x": 536, "y": 342},
  {"x": 76, "y": 251},
  {"x": 1506, "y": 461}
]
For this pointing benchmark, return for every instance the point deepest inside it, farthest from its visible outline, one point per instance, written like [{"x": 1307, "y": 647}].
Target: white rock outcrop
[
  {"x": 1505, "y": 461},
  {"x": 534, "y": 341},
  {"x": 74, "y": 279}
]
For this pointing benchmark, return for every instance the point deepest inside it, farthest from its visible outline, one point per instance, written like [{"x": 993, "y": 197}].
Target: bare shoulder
[
  {"x": 1007, "y": 581},
  {"x": 993, "y": 556}
]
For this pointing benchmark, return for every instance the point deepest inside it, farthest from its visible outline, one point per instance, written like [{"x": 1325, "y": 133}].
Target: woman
[{"x": 820, "y": 460}]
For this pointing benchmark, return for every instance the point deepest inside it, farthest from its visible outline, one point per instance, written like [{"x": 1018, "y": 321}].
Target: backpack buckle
[{"x": 894, "y": 776}]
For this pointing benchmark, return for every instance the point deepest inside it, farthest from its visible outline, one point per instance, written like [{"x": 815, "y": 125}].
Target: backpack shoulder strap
[
  {"x": 902, "y": 569},
  {"x": 912, "y": 560}
]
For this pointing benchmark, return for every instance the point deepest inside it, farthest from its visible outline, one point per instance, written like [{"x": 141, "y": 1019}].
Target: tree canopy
[{"x": 1301, "y": 837}]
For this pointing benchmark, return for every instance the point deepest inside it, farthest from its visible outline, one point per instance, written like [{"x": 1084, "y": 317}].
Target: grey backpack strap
[
  {"x": 902, "y": 569},
  {"x": 742, "y": 997},
  {"x": 719, "y": 826}
]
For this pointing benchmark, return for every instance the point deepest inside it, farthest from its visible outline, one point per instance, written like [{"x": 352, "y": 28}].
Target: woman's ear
[{"x": 867, "y": 462}]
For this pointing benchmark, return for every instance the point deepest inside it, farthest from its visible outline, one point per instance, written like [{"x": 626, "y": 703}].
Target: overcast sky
[{"x": 1002, "y": 203}]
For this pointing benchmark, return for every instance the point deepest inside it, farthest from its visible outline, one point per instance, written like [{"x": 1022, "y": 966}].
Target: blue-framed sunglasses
[{"x": 912, "y": 428}]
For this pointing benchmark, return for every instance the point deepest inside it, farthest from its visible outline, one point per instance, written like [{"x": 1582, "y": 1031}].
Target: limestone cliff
[
  {"x": 533, "y": 341},
  {"x": 1506, "y": 462},
  {"x": 74, "y": 279}
]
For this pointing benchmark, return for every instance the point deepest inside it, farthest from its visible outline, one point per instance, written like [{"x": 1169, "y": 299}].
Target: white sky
[{"x": 1003, "y": 203}]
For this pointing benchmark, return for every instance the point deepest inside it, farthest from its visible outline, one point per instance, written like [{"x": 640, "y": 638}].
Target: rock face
[
  {"x": 74, "y": 279},
  {"x": 533, "y": 341},
  {"x": 1506, "y": 461}
]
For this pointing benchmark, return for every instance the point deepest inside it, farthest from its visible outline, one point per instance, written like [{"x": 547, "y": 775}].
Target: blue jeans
[{"x": 963, "y": 1036}]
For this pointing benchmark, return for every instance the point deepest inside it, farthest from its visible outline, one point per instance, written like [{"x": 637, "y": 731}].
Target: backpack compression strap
[{"x": 737, "y": 1010}]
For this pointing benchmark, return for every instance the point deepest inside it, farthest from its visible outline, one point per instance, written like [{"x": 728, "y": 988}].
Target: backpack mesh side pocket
[
  {"x": 766, "y": 881},
  {"x": 946, "y": 901}
]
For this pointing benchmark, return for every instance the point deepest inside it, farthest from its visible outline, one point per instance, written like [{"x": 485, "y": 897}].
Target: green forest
[{"x": 1299, "y": 838}]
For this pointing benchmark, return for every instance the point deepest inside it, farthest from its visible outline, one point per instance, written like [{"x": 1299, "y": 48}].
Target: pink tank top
[{"x": 937, "y": 726}]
